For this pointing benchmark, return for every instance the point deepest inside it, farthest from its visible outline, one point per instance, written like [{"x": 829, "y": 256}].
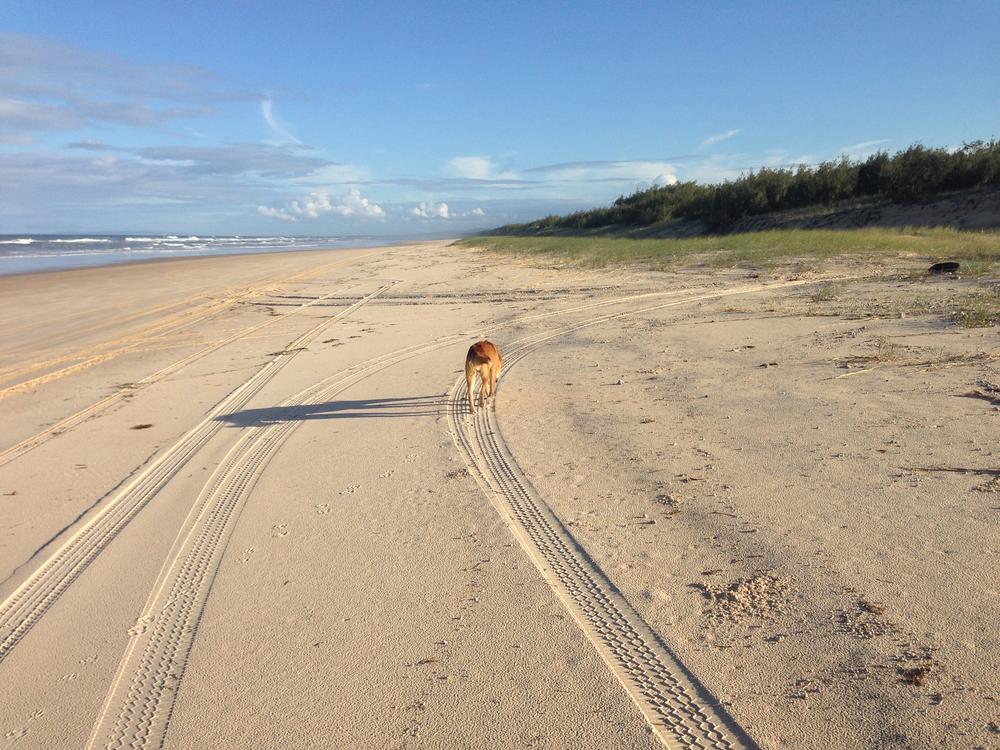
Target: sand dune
[{"x": 243, "y": 506}]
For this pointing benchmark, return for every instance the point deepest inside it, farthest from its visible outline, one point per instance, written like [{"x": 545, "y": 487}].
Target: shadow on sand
[{"x": 372, "y": 408}]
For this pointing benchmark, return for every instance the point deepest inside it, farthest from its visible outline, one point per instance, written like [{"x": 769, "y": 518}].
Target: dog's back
[
  {"x": 484, "y": 358},
  {"x": 483, "y": 352}
]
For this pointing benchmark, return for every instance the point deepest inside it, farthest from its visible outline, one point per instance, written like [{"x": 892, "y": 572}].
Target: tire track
[
  {"x": 139, "y": 705},
  {"x": 680, "y": 710},
  {"x": 36, "y": 595},
  {"x": 19, "y": 449},
  {"x": 86, "y": 358},
  {"x": 141, "y": 699},
  {"x": 174, "y": 323}
]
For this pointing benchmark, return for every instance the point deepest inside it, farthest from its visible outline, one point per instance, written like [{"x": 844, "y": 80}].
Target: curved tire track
[
  {"x": 139, "y": 705},
  {"x": 19, "y": 449},
  {"x": 140, "y": 702},
  {"x": 86, "y": 358},
  {"x": 29, "y": 602},
  {"x": 681, "y": 711},
  {"x": 33, "y": 598},
  {"x": 184, "y": 318}
]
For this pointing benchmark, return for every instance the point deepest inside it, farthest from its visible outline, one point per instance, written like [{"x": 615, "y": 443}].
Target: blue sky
[{"x": 397, "y": 118}]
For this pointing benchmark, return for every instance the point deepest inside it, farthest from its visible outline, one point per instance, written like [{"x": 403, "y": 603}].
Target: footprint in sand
[
  {"x": 387, "y": 474},
  {"x": 89, "y": 659},
  {"x": 16, "y": 734},
  {"x": 69, "y": 677},
  {"x": 351, "y": 490},
  {"x": 279, "y": 529},
  {"x": 323, "y": 508},
  {"x": 247, "y": 554},
  {"x": 410, "y": 458}
]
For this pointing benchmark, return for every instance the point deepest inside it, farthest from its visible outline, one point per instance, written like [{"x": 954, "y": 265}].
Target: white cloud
[
  {"x": 354, "y": 204},
  {"x": 333, "y": 174},
  {"x": 277, "y": 127},
  {"x": 633, "y": 171},
  {"x": 316, "y": 204},
  {"x": 276, "y": 213},
  {"x": 431, "y": 211},
  {"x": 719, "y": 137},
  {"x": 33, "y": 116},
  {"x": 471, "y": 167},
  {"x": 478, "y": 168},
  {"x": 48, "y": 86},
  {"x": 865, "y": 148}
]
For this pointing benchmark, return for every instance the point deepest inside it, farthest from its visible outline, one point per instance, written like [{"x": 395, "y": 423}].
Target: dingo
[{"x": 483, "y": 358}]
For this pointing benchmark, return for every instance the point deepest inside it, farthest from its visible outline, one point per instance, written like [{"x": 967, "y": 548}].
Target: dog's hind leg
[
  {"x": 470, "y": 381},
  {"x": 484, "y": 378},
  {"x": 493, "y": 386}
]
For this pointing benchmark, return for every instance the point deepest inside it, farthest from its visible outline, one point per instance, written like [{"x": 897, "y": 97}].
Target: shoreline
[{"x": 360, "y": 245}]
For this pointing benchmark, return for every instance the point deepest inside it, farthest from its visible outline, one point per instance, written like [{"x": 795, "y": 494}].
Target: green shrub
[
  {"x": 873, "y": 175},
  {"x": 916, "y": 174}
]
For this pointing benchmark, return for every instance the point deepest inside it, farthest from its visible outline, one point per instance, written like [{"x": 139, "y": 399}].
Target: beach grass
[
  {"x": 979, "y": 252},
  {"x": 979, "y": 310}
]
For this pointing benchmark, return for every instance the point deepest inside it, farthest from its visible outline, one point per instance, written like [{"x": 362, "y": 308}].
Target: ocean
[{"x": 27, "y": 253}]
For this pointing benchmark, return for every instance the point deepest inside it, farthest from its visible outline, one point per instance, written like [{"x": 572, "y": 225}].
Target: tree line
[{"x": 915, "y": 175}]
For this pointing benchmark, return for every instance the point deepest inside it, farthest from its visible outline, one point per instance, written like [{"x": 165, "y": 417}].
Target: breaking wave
[{"x": 26, "y": 254}]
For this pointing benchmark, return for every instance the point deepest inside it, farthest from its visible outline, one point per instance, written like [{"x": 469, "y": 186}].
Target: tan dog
[{"x": 483, "y": 358}]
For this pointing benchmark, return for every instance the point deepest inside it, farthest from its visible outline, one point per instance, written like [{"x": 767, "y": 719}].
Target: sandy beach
[{"x": 242, "y": 504}]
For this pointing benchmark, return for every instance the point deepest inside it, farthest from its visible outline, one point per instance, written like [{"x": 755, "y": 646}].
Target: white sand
[{"x": 311, "y": 545}]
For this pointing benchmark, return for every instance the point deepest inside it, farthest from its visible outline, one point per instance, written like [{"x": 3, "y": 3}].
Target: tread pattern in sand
[
  {"x": 33, "y": 598},
  {"x": 679, "y": 709},
  {"x": 139, "y": 705},
  {"x": 30, "y": 443}
]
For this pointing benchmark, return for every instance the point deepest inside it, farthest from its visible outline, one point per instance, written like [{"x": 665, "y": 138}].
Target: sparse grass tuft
[
  {"x": 980, "y": 267},
  {"x": 825, "y": 293},
  {"x": 977, "y": 251},
  {"x": 980, "y": 310},
  {"x": 885, "y": 350}
]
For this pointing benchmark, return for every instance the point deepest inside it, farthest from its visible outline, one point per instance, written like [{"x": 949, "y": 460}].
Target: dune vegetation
[
  {"x": 979, "y": 252},
  {"x": 914, "y": 175}
]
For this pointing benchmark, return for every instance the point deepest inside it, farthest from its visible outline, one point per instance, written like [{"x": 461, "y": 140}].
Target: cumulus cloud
[
  {"x": 719, "y": 138},
  {"x": 431, "y": 210},
  {"x": 314, "y": 205},
  {"x": 354, "y": 204},
  {"x": 276, "y": 213}
]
